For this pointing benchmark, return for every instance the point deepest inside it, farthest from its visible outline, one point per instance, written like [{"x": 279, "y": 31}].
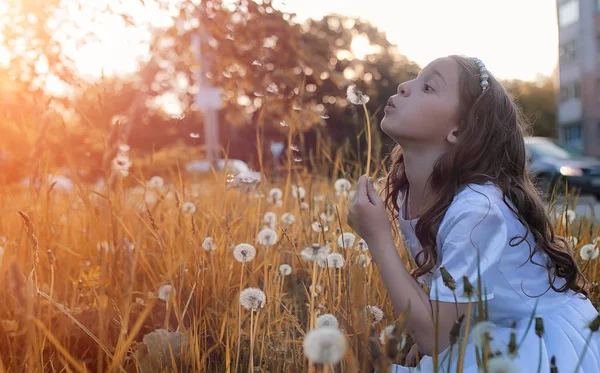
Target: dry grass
[{"x": 82, "y": 272}]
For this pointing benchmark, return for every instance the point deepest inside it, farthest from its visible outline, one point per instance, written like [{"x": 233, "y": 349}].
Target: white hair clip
[{"x": 482, "y": 72}]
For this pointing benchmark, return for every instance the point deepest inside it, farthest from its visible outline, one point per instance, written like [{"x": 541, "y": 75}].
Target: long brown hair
[{"x": 490, "y": 147}]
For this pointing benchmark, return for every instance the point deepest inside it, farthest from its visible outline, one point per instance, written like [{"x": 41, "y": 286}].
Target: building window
[
  {"x": 568, "y": 13},
  {"x": 568, "y": 51},
  {"x": 573, "y": 135},
  {"x": 570, "y": 91}
]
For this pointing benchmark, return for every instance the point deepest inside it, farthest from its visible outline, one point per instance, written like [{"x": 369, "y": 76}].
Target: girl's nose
[{"x": 403, "y": 89}]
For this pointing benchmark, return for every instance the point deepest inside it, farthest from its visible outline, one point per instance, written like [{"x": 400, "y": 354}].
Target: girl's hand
[{"x": 367, "y": 214}]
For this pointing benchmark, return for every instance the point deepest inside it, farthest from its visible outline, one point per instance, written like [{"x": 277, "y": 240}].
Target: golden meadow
[{"x": 143, "y": 275}]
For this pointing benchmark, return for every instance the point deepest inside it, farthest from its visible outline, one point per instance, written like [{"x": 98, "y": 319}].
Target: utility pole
[{"x": 208, "y": 98}]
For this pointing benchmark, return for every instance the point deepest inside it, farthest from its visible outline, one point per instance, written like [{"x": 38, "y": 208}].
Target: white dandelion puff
[
  {"x": 566, "y": 216},
  {"x": 194, "y": 135},
  {"x": 270, "y": 218},
  {"x": 355, "y": 96},
  {"x": 164, "y": 292},
  {"x": 589, "y": 252},
  {"x": 121, "y": 164},
  {"x": 318, "y": 227},
  {"x": 327, "y": 320},
  {"x": 304, "y": 206},
  {"x": 374, "y": 313},
  {"x": 363, "y": 260},
  {"x": 482, "y": 332},
  {"x": 288, "y": 218},
  {"x": 325, "y": 345},
  {"x": 275, "y": 195},
  {"x": 501, "y": 364},
  {"x": 189, "y": 208},
  {"x": 298, "y": 192},
  {"x": 335, "y": 260},
  {"x": 315, "y": 252},
  {"x": 252, "y": 299},
  {"x": 315, "y": 291},
  {"x": 342, "y": 185},
  {"x": 346, "y": 240},
  {"x": 244, "y": 252},
  {"x": 361, "y": 245},
  {"x": 155, "y": 182},
  {"x": 386, "y": 333},
  {"x": 328, "y": 218},
  {"x": 285, "y": 270},
  {"x": 208, "y": 244},
  {"x": 267, "y": 237}
]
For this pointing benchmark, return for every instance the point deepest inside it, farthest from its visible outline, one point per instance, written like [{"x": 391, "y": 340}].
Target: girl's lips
[{"x": 390, "y": 102}]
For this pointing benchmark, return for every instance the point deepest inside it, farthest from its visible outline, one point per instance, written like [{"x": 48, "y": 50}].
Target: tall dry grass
[{"x": 99, "y": 279}]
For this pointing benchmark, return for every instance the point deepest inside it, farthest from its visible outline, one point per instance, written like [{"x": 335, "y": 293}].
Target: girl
[{"x": 465, "y": 204}]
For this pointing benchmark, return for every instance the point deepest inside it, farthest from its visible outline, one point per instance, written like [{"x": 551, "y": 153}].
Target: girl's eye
[{"x": 427, "y": 88}]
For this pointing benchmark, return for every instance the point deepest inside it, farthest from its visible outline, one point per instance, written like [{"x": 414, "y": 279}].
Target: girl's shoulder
[{"x": 474, "y": 201}]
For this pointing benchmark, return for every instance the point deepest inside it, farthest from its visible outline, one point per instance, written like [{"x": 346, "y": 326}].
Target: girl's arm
[{"x": 405, "y": 291}]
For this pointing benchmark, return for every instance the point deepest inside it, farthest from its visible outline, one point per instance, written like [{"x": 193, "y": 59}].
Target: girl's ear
[{"x": 452, "y": 136}]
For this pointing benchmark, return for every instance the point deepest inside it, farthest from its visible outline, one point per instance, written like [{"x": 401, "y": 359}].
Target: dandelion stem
[
  {"x": 368, "y": 140},
  {"x": 251, "y": 364},
  {"x": 463, "y": 347},
  {"x": 237, "y": 358},
  {"x": 587, "y": 343}
]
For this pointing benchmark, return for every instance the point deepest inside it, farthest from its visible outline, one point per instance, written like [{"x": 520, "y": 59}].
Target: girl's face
[{"x": 425, "y": 109}]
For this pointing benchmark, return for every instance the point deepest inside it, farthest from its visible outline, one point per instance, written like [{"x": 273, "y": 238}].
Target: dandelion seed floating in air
[
  {"x": 252, "y": 299},
  {"x": 194, "y": 135},
  {"x": 325, "y": 345},
  {"x": 244, "y": 252}
]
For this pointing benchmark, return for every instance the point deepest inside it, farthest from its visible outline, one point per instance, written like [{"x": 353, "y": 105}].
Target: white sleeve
[{"x": 473, "y": 228}]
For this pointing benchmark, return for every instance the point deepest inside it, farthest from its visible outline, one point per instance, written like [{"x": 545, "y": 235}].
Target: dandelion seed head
[
  {"x": 361, "y": 245},
  {"x": 342, "y": 185},
  {"x": 589, "y": 252},
  {"x": 155, "y": 182},
  {"x": 244, "y": 252},
  {"x": 208, "y": 244},
  {"x": 363, "y": 260},
  {"x": 298, "y": 191},
  {"x": 121, "y": 164},
  {"x": 270, "y": 217},
  {"x": 335, "y": 260},
  {"x": 328, "y": 218},
  {"x": 275, "y": 195},
  {"x": 252, "y": 299},
  {"x": 189, "y": 208},
  {"x": 327, "y": 320},
  {"x": 482, "y": 332},
  {"x": 315, "y": 290},
  {"x": 501, "y": 364},
  {"x": 374, "y": 313},
  {"x": 318, "y": 227},
  {"x": 355, "y": 96},
  {"x": 285, "y": 270},
  {"x": 325, "y": 345},
  {"x": 267, "y": 237},
  {"x": 164, "y": 292},
  {"x": 346, "y": 240},
  {"x": 386, "y": 333},
  {"x": 288, "y": 218}
]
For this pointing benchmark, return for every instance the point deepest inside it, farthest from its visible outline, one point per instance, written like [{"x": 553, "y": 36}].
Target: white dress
[{"x": 478, "y": 218}]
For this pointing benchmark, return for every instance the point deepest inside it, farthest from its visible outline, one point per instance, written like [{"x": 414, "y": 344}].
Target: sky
[{"x": 514, "y": 38}]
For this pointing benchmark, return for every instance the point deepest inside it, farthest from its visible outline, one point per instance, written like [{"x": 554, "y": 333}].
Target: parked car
[{"x": 550, "y": 163}]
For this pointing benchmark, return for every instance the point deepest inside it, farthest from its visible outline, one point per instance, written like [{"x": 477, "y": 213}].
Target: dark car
[{"x": 550, "y": 163}]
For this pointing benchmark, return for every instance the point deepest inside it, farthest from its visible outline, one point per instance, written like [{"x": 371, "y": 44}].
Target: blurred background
[{"x": 168, "y": 82}]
